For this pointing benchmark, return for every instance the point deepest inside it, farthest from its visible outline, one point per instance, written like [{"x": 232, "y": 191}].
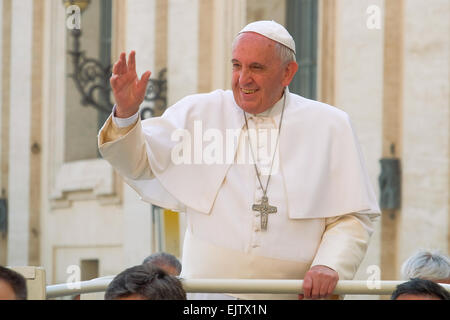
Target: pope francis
[{"x": 274, "y": 185}]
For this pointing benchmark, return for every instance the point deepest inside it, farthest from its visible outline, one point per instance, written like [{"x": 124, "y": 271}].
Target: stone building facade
[{"x": 386, "y": 63}]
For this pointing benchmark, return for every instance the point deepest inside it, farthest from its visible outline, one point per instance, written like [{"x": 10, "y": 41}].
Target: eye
[{"x": 257, "y": 67}]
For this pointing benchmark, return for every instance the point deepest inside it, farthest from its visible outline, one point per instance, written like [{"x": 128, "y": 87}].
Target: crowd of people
[{"x": 157, "y": 278}]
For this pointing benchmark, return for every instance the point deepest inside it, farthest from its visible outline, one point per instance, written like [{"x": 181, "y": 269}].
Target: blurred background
[{"x": 384, "y": 62}]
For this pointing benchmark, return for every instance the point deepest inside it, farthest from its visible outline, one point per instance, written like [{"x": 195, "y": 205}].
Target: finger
[
  {"x": 116, "y": 68},
  {"x": 331, "y": 287},
  {"x": 142, "y": 84},
  {"x": 307, "y": 286},
  {"x": 323, "y": 291},
  {"x": 132, "y": 62},
  {"x": 301, "y": 296},
  {"x": 144, "y": 79},
  {"x": 315, "y": 291},
  {"x": 123, "y": 63}
]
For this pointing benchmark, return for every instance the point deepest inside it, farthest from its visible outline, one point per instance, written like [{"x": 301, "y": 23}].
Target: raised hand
[{"x": 128, "y": 90}]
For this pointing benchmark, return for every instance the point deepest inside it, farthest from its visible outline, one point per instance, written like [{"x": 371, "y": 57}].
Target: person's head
[
  {"x": 145, "y": 282},
  {"x": 262, "y": 67},
  {"x": 429, "y": 265},
  {"x": 13, "y": 285},
  {"x": 169, "y": 263},
  {"x": 420, "y": 289}
]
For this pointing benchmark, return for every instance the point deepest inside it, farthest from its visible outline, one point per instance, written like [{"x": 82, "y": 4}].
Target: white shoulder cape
[{"x": 320, "y": 158}]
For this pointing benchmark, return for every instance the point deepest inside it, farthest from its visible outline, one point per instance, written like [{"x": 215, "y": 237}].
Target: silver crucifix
[{"x": 265, "y": 209}]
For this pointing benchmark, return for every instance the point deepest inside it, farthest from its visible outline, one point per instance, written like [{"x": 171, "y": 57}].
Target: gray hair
[
  {"x": 286, "y": 54},
  {"x": 162, "y": 259},
  {"x": 427, "y": 264}
]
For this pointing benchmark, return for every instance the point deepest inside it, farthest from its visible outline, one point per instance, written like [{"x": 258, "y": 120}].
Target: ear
[{"x": 289, "y": 73}]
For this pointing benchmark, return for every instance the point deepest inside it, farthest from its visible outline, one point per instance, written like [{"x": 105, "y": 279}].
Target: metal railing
[{"x": 344, "y": 287}]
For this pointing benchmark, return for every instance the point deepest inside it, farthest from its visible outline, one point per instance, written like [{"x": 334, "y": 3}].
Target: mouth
[{"x": 248, "y": 91}]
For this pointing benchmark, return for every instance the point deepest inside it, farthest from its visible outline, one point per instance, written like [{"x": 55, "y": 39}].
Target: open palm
[{"x": 128, "y": 90}]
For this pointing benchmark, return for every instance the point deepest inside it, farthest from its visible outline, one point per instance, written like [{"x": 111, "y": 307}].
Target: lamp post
[{"x": 390, "y": 183}]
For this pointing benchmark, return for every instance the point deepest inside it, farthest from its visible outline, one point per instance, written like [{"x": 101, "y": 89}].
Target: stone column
[
  {"x": 326, "y": 69},
  {"x": 4, "y": 117},
  {"x": 182, "y": 49},
  {"x": 1, "y": 83},
  {"x": 392, "y": 117},
  {"x": 205, "y": 45},
  {"x": 161, "y": 24},
  {"x": 37, "y": 78},
  {"x": 20, "y": 119},
  {"x": 267, "y": 10},
  {"x": 119, "y": 29},
  {"x": 230, "y": 16},
  {"x": 5, "y": 62},
  {"x": 426, "y": 90},
  {"x": 358, "y": 90}
]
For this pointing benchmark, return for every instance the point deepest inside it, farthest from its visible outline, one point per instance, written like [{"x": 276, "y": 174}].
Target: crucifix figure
[{"x": 265, "y": 209}]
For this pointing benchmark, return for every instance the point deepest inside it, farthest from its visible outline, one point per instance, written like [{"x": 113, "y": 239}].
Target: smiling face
[{"x": 259, "y": 76}]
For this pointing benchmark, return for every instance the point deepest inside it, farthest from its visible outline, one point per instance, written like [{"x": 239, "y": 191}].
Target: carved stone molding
[{"x": 84, "y": 180}]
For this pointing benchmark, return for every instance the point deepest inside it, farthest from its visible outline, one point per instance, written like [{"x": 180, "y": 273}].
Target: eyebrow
[
  {"x": 256, "y": 64},
  {"x": 253, "y": 64}
]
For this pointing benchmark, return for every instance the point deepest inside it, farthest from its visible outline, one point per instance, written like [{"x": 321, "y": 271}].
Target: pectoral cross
[{"x": 265, "y": 209}]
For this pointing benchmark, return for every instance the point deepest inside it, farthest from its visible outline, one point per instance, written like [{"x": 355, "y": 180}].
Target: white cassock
[{"x": 325, "y": 202}]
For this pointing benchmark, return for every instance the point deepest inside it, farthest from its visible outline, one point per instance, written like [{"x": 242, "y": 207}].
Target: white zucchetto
[{"x": 271, "y": 30}]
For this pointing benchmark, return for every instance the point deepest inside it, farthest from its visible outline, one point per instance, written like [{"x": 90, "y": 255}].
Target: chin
[
  {"x": 250, "y": 106},
  {"x": 249, "y": 109}
]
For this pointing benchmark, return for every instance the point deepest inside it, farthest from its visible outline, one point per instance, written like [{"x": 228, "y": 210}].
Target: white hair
[
  {"x": 427, "y": 264},
  {"x": 286, "y": 54}
]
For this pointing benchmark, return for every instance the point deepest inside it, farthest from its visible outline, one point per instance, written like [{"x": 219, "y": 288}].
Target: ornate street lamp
[
  {"x": 91, "y": 78},
  {"x": 390, "y": 182}
]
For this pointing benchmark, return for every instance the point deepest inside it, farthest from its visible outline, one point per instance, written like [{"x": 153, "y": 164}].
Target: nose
[{"x": 245, "y": 77}]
